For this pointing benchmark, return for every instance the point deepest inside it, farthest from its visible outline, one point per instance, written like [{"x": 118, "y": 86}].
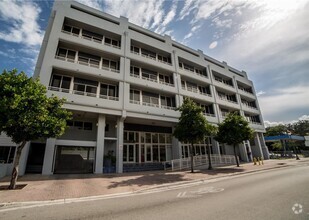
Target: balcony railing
[
  {"x": 151, "y": 57},
  {"x": 226, "y": 99},
  {"x": 87, "y": 62},
  {"x": 249, "y": 106},
  {"x": 65, "y": 59},
  {"x": 152, "y": 105},
  {"x": 152, "y": 78},
  {"x": 209, "y": 114},
  {"x": 168, "y": 107},
  {"x": 244, "y": 90},
  {"x": 90, "y": 38},
  {"x": 83, "y": 93},
  {"x": 223, "y": 82},
  {"x": 188, "y": 70}
]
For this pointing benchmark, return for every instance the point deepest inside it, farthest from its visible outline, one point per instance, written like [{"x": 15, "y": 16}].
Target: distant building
[{"x": 123, "y": 84}]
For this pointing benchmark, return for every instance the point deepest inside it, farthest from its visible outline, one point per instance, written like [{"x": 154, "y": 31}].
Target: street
[{"x": 274, "y": 194}]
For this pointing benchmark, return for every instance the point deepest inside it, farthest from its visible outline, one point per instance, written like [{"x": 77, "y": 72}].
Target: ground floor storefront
[{"x": 97, "y": 143}]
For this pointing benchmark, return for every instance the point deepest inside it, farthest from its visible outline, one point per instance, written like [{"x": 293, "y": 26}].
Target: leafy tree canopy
[
  {"x": 26, "y": 113},
  {"x": 276, "y": 130},
  {"x": 234, "y": 130},
  {"x": 300, "y": 127},
  {"x": 192, "y": 126}
]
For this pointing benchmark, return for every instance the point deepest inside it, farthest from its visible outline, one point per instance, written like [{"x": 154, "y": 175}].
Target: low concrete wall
[{"x": 3, "y": 169}]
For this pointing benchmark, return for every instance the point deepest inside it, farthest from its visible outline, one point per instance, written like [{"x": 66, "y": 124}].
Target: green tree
[
  {"x": 233, "y": 131},
  {"x": 276, "y": 130},
  {"x": 301, "y": 128},
  {"x": 192, "y": 126},
  {"x": 26, "y": 113}
]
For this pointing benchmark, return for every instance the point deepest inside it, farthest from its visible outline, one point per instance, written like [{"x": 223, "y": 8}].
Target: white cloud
[
  {"x": 224, "y": 23},
  {"x": 23, "y": 20},
  {"x": 188, "y": 36},
  {"x": 284, "y": 100},
  {"x": 260, "y": 93},
  {"x": 93, "y": 3},
  {"x": 142, "y": 13},
  {"x": 213, "y": 45},
  {"x": 189, "y": 6},
  {"x": 304, "y": 117},
  {"x": 272, "y": 124}
]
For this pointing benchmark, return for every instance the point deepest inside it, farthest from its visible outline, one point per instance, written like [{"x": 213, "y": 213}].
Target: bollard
[
  {"x": 262, "y": 160},
  {"x": 254, "y": 161},
  {"x": 259, "y": 160}
]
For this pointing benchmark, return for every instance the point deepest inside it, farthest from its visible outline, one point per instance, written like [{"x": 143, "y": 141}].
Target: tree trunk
[
  {"x": 236, "y": 158},
  {"x": 16, "y": 166},
  {"x": 208, "y": 153},
  {"x": 191, "y": 152}
]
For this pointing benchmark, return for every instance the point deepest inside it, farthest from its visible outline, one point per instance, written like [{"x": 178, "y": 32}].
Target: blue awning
[{"x": 284, "y": 137}]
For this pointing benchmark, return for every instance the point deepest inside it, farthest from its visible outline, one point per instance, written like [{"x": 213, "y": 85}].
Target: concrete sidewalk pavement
[{"x": 42, "y": 188}]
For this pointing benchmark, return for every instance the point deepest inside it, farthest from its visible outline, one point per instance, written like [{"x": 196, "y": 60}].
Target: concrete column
[
  {"x": 243, "y": 152},
  {"x": 257, "y": 151},
  {"x": 49, "y": 156},
  {"x": 23, "y": 159},
  {"x": 249, "y": 151},
  {"x": 100, "y": 144},
  {"x": 264, "y": 147},
  {"x": 215, "y": 147},
  {"x": 119, "y": 147}
]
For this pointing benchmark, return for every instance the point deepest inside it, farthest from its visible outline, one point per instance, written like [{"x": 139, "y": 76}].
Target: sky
[{"x": 269, "y": 39}]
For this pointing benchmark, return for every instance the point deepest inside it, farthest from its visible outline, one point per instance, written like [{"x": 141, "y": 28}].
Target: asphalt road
[{"x": 265, "y": 195}]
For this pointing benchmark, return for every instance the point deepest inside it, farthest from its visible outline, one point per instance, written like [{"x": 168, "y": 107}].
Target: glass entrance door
[
  {"x": 148, "y": 152},
  {"x": 129, "y": 153}
]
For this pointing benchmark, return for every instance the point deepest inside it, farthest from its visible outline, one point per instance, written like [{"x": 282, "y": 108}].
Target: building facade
[{"x": 123, "y": 84}]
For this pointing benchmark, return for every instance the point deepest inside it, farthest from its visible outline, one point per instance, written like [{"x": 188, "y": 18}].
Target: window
[
  {"x": 88, "y": 126},
  {"x": 70, "y": 29},
  {"x": 80, "y": 125},
  {"x": 7, "y": 154},
  {"x": 60, "y": 82},
  {"x": 164, "y": 59},
  {"x": 108, "y": 91},
  {"x": 134, "y": 71},
  {"x": 134, "y": 96},
  {"x": 167, "y": 102},
  {"x": 67, "y": 54},
  {"x": 150, "y": 99},
  {"x": 208, "y": 109},
  {"x": 85, "y": 87},
  {"x": 148, "y": 53},
  {"x": 112, "y": 42},
  {"x": 135, "y": 49},
  {"x": 88, "y": 59},
  {"x": 92, "y": 36},
  {"x": 109, "y": 64},
  {"x": 165, "y": 79},
  {"x": 149, "y": 75}
]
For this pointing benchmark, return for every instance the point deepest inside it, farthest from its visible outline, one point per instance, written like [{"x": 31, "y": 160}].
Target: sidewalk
[{"x": 41, "y": 188}]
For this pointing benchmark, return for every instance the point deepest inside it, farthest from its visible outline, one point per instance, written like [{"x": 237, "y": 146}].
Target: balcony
[
  {"x": 90, "y": 36},
  {"x": 83, "y": 93},
  {"x": 151, "y": 55},
  {"x": 99, "y": 63},
  {"x": 227, "y": 97},
  {"x": 152, "y": 76},
  {"x": 192, "y": 69},
  {"x": 151, "y": 100}
]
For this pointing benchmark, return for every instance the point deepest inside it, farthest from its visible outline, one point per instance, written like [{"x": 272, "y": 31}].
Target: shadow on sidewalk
[{"x": 149, "y": 179}]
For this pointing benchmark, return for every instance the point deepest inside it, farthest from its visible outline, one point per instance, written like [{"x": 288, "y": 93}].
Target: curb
[{"x": 168, "y": 186}]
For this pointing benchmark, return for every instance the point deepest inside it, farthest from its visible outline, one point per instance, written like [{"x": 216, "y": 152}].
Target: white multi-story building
[{"x": 123, "y": 84}]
